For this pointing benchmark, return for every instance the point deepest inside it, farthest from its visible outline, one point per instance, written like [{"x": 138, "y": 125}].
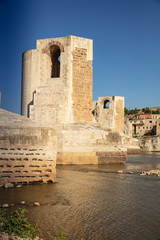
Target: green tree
[
  {"x": 157, "y": 112},
  {"x": 131, "y": 111},
  {"x": 125, "y": 111},
  {"x": 146, "y": 110}
]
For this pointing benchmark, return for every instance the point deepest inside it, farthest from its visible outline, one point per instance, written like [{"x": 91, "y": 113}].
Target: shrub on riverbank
[{"x": 16, "y": 223}]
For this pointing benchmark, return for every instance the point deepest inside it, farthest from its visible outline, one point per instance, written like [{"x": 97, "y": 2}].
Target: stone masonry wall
[
  {"x": 82, "y": 86},
  {"x": 86, "y": 143},
  {"x": 27, "y": 154},
  {"x": 43, "y": 94},
  {"x": 111, "y": 117},
  {"x": 49, "y": 103},
  {"x": 27, "y": 151},
  {"x": 119, "y": 114},
  {"x": 25, "y": 165},
  {"x": 64, "y": 98}
]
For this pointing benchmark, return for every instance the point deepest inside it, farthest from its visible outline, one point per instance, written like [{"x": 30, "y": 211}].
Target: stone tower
[{"x": 57, "y": 80}]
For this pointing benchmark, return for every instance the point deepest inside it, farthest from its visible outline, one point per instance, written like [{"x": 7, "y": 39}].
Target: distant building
[
  {"x": 144, "y": 115},
  {"x": 145, "y": 124},
  {"x": 158, "y": 127}
]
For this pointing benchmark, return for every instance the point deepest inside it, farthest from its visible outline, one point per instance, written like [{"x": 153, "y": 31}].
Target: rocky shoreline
[
  {"x": 22, "y": 203},
  {"x": 151, "y": 172},
  {"x": 7, "y": 184},
  {"x": 6, "y": 236},
  {"x": 149, "y": 143}
]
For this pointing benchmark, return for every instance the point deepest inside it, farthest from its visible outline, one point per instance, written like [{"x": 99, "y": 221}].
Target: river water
[{"x": 96, "y": 202}]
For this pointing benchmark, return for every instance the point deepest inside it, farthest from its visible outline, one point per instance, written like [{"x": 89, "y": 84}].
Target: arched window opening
[
  {"x": 106, "y": 104},
  {"x": 55, "y": 59}
]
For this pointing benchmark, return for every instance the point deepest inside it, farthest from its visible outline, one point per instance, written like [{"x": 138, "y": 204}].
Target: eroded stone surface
[
  {"x": 109, "y": 112},
  {"x": 150, "y": 143}
]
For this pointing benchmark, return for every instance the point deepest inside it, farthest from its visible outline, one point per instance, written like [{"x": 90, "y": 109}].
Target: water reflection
[{"x": 96, "y": 202}]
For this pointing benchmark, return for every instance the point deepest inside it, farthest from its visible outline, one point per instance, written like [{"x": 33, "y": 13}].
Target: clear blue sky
[{"x": 126, "y": 38}]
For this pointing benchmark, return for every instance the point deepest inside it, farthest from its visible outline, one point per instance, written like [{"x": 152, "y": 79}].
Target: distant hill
[{"x": 155, "y": 108}]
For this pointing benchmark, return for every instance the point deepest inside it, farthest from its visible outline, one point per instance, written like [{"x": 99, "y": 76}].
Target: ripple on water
[{"x": 97, "y": 202}]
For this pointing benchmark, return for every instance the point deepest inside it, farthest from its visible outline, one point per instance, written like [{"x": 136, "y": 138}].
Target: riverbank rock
[
  {"x": 5, "y": 236},
  {"x": 8, "y": 185},
  {"x": 151, "y": 172},
  {"x": 23, "y": 202},
  {"x": 5, "y": 205},
  {"x": 150, "y": 143},
  {"x": 37, "y": 204},
  {"x": 130, "y": 172}
]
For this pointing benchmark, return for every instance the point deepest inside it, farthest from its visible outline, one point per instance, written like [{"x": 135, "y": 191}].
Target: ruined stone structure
[
  {"x": 58, "y": 91},
  {"x": 60, "y": 123},
  {"x": 109, "y": 112},
  {"x": 27, "y": 150}
]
